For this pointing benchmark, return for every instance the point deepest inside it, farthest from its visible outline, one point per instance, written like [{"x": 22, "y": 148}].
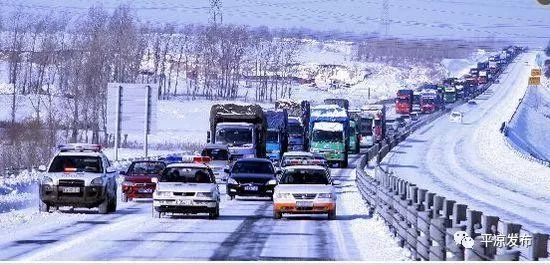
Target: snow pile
[
  {"x": 460, "y": 67},
  {"x": 331, "y": 111},
  {"x": 530, "y": 127},
  {"x": 328, "y": 126}
]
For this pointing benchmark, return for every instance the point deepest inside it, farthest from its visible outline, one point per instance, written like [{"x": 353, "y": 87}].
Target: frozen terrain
[{"x": 471, "y": 163}]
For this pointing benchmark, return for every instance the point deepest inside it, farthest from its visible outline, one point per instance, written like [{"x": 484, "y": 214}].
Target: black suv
[{"x": 251, "y": 177}]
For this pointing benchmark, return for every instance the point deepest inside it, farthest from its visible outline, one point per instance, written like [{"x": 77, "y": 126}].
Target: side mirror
[
  {"x": 336, "y": 183},
  {"x": 111, "y": 170},
  {"x": 154, "y": 180},
  {"x": 278, "y": 172},
  {"x": 42, "y": 168},
  {"x": 208, "y": 136},
  {"x": 122, "y": 173},
  {"x": 226, "y": 170}
]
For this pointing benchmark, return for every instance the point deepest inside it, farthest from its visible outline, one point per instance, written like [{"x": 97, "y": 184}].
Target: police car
[
  {"x": 187, "y": 188},
  {"x": 79, "y": 175}
]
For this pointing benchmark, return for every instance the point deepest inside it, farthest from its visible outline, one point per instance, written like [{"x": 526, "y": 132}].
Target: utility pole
[
  {"x": 216, "y": 17},
  {"x": 385, "y": 18}
]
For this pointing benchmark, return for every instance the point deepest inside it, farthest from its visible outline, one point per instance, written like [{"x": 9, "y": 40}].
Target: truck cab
[
  {"x": 427, "y": 101},
  {"x": 243, "y": 128},
  {"x": 239, "y": 137},
  {"x": 329, "y": 133},
  {"x": 295, "y": 134},
  {"x": 277, "y": 133},
  {"x": 403, "y": 102},
  {"x": 450, "y": 95}
]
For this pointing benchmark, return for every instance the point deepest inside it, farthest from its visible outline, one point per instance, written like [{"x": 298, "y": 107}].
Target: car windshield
[
  {"x": 146, "y": 167},
  {"x": 428, "y": 101},
  {"x": 294, "y": 128},
  {"x": 234, "y": 136},
  {"x": 304, "y": 176},
  {"x": 186, "y": 175},
  {"x": 216, "y": 153},
  {"x": 90, "y": 164},
  {"x": 253, "y": 167},
  {"x": 456, "y": 114},
  {"x": 272, "y": 136},
  {"x": 403, "y": 100}
]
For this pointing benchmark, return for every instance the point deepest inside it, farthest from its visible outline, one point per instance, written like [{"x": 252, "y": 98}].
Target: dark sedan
[{"x": 251, "y": 177}]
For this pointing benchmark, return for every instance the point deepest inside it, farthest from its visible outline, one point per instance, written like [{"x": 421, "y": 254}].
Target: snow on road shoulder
[
  {"x": 370, "y": 234},
  {"x": 496, "y": 155}
]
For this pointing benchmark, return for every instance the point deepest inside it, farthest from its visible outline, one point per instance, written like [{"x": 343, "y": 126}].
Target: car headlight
[
  {"x": 163, "y": 193},
  {"x": 47, "y": 181},
  {"x": 324, "y": 195},
  {"x": 97, "y": 182},
  {"x": 271, "y": 182},
  {"x": 204, "y": 194},
  {"x": 127, "y": 183},
  {"x": 283, "y": 196},
  {"x": 232, "y": 181}
]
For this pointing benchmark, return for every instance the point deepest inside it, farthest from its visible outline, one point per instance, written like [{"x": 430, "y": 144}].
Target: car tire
[
  {"x": 277, "y": 215},
  {"x": 112, "y": 205},
  {"x": 43, "y": 207},
  {"x": 231, "y": 197},
  {"x": 104, "y": 208},
  {"x": 213, "y": 214},
  {"x": 332, "y": 214}
]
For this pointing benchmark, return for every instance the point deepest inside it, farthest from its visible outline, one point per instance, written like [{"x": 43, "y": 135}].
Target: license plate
[
  {"x": 251, "y": 188},
  {"x": 145, "y": 191},
  {"x": 70, "y": 189},
  {"x": 304, "y": 204},
  {"x": 183, "y": 202}
]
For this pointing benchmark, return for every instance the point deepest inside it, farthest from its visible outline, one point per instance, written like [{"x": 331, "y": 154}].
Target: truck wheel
[
  {"x": 231, "y": 197},
  {"x": 332, "y": 214},
  {"x": 277, "y": 215},
  {"x": 103, "y": 208},
  {"x": 43, "y": 207}
]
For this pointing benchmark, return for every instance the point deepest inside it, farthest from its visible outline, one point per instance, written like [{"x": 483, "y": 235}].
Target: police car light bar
[{"x": 79, "y": 147}]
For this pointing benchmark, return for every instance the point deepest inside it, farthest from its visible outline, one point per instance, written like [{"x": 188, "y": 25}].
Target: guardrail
[{"x": 425, "y": 222}]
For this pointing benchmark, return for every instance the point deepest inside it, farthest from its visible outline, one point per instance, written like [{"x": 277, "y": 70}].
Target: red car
[{"x": 137, "y": 180}]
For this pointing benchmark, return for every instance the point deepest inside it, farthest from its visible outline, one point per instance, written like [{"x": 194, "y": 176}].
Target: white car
[
  {"x": 187, "y": 188},
  {"x": 305, "y": 190},
  {"x": 456, "y": 116},
  {"x": 80, "y": 175}
]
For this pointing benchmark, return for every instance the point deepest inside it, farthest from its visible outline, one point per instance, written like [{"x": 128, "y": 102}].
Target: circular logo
[{"x": 544, "y": 2}]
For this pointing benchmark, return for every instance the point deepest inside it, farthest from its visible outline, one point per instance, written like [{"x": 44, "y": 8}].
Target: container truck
[
  {"x": 428, "y": 101},
  {"x": 450, "y": 94},
  {"x": 378, "y": 112}
]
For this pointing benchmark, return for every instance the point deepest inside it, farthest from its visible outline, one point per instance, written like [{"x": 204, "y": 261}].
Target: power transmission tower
[
  {"x": 215, "y": 12},
  {"x": 385, "y": 18}
]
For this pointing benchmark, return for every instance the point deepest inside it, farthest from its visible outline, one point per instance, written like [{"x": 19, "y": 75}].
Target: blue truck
[
  {"x": 298, "y": 120},
  {"x": 277, "y": 133}
]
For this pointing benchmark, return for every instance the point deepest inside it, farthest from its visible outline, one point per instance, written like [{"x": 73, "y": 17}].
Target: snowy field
[
  {"x": 471, "y": 163},
  {"x": 529, "y": 129}
]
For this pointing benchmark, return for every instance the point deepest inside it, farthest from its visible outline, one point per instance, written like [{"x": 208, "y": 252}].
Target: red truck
[
  {"x": 428, "y": 101},
  {"x": 403, "y": 102}
]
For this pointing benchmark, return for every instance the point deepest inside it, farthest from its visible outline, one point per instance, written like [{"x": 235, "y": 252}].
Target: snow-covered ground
[
  {"x": 245, "y": 231},
  {"x": 529, "y": 129},
  {"x": 471, "y": 163}
]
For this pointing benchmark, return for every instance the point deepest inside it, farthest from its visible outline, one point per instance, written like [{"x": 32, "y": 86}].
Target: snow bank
[
  {"x": 529, "y": 129},
  {"x": 460, "y": 67},
  {"x": 328, "y": 126}
]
